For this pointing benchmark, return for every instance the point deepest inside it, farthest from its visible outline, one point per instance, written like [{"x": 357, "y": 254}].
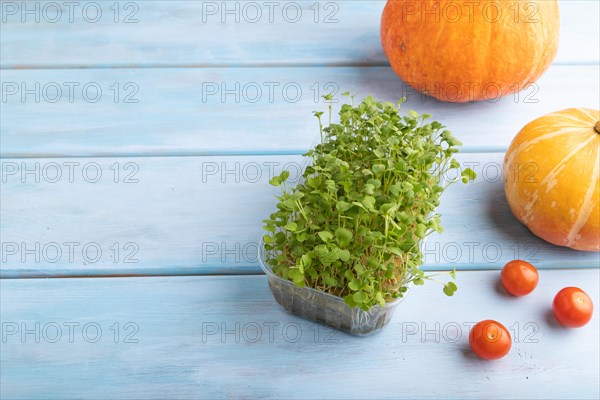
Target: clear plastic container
[{"x": 317, "y": 306}]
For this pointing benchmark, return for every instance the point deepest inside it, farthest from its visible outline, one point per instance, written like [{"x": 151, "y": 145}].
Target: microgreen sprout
[{"x": 368, "y": 198}]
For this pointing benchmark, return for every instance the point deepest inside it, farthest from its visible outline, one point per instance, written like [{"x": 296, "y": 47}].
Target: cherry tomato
[
  {"x": 490, "y": 340},
  {"x": 572, "y": 307},
  {"x": 519, "y": 278}
]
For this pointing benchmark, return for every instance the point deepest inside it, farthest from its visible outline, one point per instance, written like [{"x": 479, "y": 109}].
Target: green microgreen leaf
[
  {"x": 453, "y": 273},
  {"x": 450, "y": 288},
  {"x": 292, "y": 226},
  {"x": 468, "y": 175},
  {"x": 325, "y": 236},
  {"x": 343, "y": 234}
]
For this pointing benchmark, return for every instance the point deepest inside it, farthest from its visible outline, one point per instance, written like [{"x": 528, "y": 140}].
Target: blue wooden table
[{"x": 137, "y": 142}]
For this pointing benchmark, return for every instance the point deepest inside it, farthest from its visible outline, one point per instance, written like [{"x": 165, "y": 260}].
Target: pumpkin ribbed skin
[
  {"x": 552, "y": 178},
  {"x": 470, "y": 51}
]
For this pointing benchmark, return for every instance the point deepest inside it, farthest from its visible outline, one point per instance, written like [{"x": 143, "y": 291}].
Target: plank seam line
[
  {"x": 9, "y": 67},
  {"x": 252, "y": 274},
  {"x": 203, "y": 155}
]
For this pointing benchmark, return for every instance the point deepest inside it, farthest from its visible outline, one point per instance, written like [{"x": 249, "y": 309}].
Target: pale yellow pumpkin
[{"x": 552, "y": 178}]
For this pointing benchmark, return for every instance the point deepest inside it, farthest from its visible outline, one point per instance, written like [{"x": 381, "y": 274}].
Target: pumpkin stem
[{"x": 597, "y": 127}]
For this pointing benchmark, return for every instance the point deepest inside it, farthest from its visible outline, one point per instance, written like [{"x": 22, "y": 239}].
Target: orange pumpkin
[
  {"x": 552, "y": 178},
  {"x": 463, "y": 51}
]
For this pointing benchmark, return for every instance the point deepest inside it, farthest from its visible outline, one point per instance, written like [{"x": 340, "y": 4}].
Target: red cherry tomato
[
  {"x": 490, "y": 340},
  {"x": 519, "y": 277},
  {"x": 572, "y": 307}
]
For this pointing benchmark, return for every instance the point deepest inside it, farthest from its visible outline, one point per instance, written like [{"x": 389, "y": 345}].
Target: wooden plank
[
  {"x": 305, "y": 32},
  {"x": 197, "y": 337},
  {"x": 190, "y": 112},
  {"x": 188, "y": 215}
]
